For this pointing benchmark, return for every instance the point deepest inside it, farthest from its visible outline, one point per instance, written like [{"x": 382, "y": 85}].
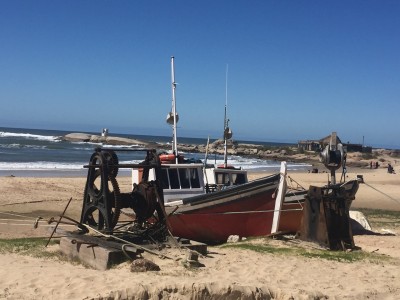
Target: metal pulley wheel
[
  {"x": 112, "y": 162},
  {"x": 102, "y": 204}
]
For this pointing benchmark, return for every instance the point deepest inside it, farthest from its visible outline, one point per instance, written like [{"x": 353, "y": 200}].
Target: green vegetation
[
  {"x": 381, "y": 218},
  {"x": 372, "y": 213},
  {"x": 28, "y": 246},
  {"x": 376, "y": 217},
  {"x": 295, "y": 250}
]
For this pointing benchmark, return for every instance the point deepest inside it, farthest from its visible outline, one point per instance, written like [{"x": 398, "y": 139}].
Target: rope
[
  {"x": 125, "y": 242},
  {"x": 33, "y": 201},
  {"x": 32, "y": 225},
  {"x": 249, "y": 212},
  {"x": 382, "y": 193},
  {"x": 298, "y": 184},
  {"x": 17, "y": 215}
]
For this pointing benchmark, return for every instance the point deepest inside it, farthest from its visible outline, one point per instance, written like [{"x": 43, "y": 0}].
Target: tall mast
[
  {"x": 174, "y": 137},
  {"x": 226, "y": 121}
]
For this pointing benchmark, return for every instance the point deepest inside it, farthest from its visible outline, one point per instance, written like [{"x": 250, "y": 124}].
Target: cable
[{"x": 382, "y": 193}]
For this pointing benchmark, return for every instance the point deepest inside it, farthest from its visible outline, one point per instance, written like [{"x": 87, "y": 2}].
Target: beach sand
[{"x": 228, "y": 273}]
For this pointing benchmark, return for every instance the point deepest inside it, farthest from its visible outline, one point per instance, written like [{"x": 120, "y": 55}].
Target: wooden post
[{"x": 279, "y": 198}]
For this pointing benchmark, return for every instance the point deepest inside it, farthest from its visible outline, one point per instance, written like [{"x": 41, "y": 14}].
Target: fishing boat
[
  {"x": 208, "y": 204},
  {"x": 245, "y": 210}
]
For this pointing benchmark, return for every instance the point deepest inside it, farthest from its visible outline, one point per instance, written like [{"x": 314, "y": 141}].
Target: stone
[
  {"x": 233, "y": 239},
  {"x": 144, "y": 265}
]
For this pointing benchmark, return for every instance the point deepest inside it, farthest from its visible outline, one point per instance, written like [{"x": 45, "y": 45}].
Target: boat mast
[
  {"x": 174, "y": 137},
  {"x": 226, "y": 121}
]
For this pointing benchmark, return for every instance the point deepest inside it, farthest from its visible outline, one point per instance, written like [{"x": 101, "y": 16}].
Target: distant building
[
  {"x": 357, "y": 148},
  {"x": 319, "y": 145},
  {"x": 316, "y": 145},
  {"x": 309, "y": 145}
]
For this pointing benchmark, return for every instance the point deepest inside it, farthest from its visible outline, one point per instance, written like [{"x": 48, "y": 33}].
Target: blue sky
[{"x": 297, "y": 69}]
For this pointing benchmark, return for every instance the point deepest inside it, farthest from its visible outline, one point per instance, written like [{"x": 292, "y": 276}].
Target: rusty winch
[{"x": 103, "y": 200}]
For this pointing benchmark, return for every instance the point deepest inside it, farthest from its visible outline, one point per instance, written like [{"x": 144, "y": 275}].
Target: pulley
[
  {"x": 227, "y": 133},
  {"x": 170, "y": 118}
]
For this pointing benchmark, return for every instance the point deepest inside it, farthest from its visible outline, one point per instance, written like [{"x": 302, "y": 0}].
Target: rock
[
  {"x": 359, "y": 222},
  {"x": 77, "y": 137},
  {"x": 143, "y": 265},
  {"x": 192, "y": 256},
  {"x": 233, "y": 239},
  {"x": 124, "y": 141},
  {"x": 109, "y": 140},
  {"x": 192, "y": 260}
]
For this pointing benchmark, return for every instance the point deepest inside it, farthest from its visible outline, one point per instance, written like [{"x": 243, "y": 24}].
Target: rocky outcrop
[
  {"x": 217, "y": 147},
  {"x": 109, "y": 140}
]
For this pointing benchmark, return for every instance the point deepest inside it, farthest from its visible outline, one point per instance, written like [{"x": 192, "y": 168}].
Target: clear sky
[{"x": 297, "y": 69}]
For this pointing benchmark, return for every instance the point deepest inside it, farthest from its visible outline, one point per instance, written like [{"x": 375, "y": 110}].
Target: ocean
[{"x": 42, "y": 153}]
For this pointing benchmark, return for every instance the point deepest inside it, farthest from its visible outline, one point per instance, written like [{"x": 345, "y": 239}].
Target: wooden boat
[
  {"x": 211, "y": 216},
  {"x": 245, "y": 210}
]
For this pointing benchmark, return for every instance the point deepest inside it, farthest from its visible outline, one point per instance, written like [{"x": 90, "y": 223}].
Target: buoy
[
  {"x": 167, "y": 158},
  {"x": 227, "y": 167}
]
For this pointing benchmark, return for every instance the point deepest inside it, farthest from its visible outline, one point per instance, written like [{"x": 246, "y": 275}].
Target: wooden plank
[{"x": 279, "y": 198}]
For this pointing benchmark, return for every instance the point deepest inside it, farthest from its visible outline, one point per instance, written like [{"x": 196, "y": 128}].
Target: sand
[{"x": 228, "y": 273}]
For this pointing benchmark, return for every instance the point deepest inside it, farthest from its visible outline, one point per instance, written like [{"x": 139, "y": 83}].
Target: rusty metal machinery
[
  {"x": 103, "y": 199},
  {"x": 326, "y": 218}
]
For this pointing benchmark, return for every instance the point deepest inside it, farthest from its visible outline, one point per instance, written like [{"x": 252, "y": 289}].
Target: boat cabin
[
  {"x": 178, "y": 181},
  {"x": 219, "y": 178},
  {"x": 184, "y": 180}
]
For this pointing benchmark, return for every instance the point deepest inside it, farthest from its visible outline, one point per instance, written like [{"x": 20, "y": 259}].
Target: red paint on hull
[
  {"x": 211, "y": 228},
  {"x": 291, "y": 215},
  {"x": 246, "y": 211}
]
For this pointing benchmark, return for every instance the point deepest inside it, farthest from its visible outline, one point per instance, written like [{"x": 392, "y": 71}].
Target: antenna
[
  {"x": 227, "y": 131},
  {"x": 226, "y": 95},
  {"x": 174, "y": 137}
]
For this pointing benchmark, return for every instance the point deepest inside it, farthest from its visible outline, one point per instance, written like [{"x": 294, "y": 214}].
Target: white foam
[
  {"x": 45, "y": 165},
  {"x": 30, "y": 136},
  {"x": 254, "y": 164},
  {"x": 40, "y": 165},
  {"x": 19, "y": 146}
]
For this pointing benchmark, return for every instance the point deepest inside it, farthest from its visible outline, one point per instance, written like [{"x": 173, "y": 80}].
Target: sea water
[{"x": 36, "y": 152}]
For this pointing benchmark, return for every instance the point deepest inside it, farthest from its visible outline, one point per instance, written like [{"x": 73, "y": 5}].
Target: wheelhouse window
[
  {"x": 238, "y": 178},
  {"x": 180, "y": 178},
  {"x": 222, "y": 178},
  {"x": 174, "y": 179},
  {"x": 230, "y": 178}
]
